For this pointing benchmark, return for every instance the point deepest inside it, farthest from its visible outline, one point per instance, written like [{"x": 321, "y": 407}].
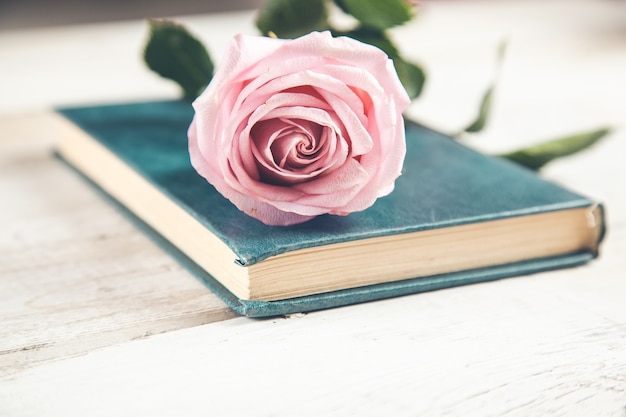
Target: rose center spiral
[
  {"x": 293, "y": 149},
  {"x": 289, "y": 151}
]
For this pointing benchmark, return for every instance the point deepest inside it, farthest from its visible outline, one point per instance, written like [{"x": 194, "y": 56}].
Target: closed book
[{"x": 455, "y": 217}]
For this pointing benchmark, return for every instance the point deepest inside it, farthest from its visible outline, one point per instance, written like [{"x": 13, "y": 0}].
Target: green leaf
[
  {"x": 483, "y": 113},
  {"x": 381, "y": 14},
  {"x": 485, "y": 104},
  {"x": 292, "y": 18},
  {"x": 173, "y": 53},
  {"x": 536, "y": 156},
  {"x": 341, "y": 5},
  {"x": 501, "y": 52},
  {"x": 411, "y": 75}
]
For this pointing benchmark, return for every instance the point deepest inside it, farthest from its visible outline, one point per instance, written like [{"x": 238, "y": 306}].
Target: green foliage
[
  {"x": 292, "y": 18},
  {"x": 534, "y": 157},
  {"x": 173, "y": 53},
  {"x": 411, "y": 75},
  {"x": 485, "y": 104},
  {"x": 380, "y": 14},
  {"x": 483, "y": 113}
]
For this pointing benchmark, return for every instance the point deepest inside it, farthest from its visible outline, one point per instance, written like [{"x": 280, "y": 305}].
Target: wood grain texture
[
  {"x": 75, "y": 273},
  {"x": 549, "y": 344}
]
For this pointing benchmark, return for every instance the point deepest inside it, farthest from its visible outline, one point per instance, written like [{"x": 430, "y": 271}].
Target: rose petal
[
  {"x": 290, "y": 129},
  {"x": 330, "y": 192}
]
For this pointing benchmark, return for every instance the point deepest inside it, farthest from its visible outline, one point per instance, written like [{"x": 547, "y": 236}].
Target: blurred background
[{"x": 16, "y": 14}]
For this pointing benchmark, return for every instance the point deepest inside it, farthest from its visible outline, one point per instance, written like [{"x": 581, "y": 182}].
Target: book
[{"x": 455, "y": 217}]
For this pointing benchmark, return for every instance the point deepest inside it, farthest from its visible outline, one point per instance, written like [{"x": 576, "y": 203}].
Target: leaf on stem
[
  {"x": 292, "y": 18},
  {"x": 411, "y": 75},
  {"x": 536, "y": 156},
  {"x": 173, "y": 53},
  {"x": 485, "y": 104},
  {"x": 380, "y": 14},
  {"x": 483, "y": 113}
]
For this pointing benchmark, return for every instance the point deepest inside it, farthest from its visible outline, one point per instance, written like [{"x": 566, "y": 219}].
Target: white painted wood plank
[
  {"x": 549, "y": 344},
  {"x": 75, "y": 274}
]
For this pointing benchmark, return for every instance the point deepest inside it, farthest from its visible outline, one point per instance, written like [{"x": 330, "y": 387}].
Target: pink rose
[{"x": 292, "y": 129}]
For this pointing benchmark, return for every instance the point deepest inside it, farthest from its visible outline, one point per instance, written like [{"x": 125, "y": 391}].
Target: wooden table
[{"x": 95, "y": 319}]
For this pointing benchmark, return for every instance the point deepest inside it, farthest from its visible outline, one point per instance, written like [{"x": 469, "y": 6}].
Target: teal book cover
[{"x": 443, "y": 185}]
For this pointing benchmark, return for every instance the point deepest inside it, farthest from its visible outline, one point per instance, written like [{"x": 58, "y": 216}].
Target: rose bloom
[{"x": 291, "y": 129}]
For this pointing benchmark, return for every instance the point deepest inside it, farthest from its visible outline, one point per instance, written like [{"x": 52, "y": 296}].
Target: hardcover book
[{"x": 455, "y": 217}]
